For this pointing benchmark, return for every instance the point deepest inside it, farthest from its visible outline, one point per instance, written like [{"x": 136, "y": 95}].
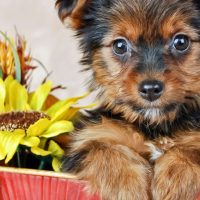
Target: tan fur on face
[
  {"x": 121, "y": 80},
  {"x": 123, "y": 85},
  {"x": 131, "y": 20}
]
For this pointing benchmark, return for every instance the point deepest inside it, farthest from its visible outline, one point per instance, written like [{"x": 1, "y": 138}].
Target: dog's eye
[
  {"x": 120, "y": 46},
  {"x": 181, "y": 42}
]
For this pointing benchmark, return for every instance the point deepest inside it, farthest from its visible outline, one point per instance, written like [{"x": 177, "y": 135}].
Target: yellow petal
[
  {"x": 10, "y": 141},
  {"x": 8, "y": 82},
  {"x": 51, "y": 100},
  {"x": 7, "y": 108},
  {"x": 27, "y": 107},
  {"x": 57, "y": 128},
  {"x": 75, "y": 99},
  {"x": 57, "y": 106},
  {"x": 60, "y": 113},
  {"x": 40, "y": 95},
  {"x": 2, "y": 95},
  {"x": 56, "y": 164},
  {"x": 55, "y": 149},
  {"x": 2, "y": 90},
  {"x": 18, "y": 96},
  {"x": 43, "y": 142},
  {"x": 40, "y": 152},
  {"x": 2, "y": 152},
  {"x": 71, "y": 113},
  {"x": 12, "y": 146},
  {"x": 38, "y": 127},
  {"x": 30, "y": 141},
  {"x": 74, "y": 110}
]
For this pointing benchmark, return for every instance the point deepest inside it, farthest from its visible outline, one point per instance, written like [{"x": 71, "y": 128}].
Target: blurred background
[{"x": 48, "y": 40}]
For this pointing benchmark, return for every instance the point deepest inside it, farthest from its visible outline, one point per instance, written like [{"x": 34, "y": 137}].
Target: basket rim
[{"x": 36, "y": 172}]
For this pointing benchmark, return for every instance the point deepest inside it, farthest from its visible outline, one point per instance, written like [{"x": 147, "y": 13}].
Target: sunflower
[
  {"x": 30, "y": 122},
  {"x": 26, "y": 121}
]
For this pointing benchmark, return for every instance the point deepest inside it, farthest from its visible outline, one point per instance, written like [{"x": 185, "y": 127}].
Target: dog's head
[{"x": 145, "y": 54}]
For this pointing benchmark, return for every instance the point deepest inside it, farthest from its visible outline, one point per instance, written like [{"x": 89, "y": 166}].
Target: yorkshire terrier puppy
[{"x": 143, "y": 142}]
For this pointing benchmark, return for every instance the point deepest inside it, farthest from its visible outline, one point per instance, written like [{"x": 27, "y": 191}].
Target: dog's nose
[{"x": 151, "y": 90}]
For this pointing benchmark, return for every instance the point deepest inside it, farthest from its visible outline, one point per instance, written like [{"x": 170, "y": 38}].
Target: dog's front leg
[
  {"x": 100, "y": 156},
  {"x": 177, "y": 172}
]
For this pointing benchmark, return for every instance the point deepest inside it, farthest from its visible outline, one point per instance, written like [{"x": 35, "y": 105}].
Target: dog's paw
[
  {"x": 176, "y": 177},
  {"x": 157, "y": 148}
]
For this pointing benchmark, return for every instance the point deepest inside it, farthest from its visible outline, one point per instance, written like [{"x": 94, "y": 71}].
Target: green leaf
[
  {"x": 18, "y": 96},
  {"x": 40, "y": 95},
  {"x": 40, "y": 152},
  {"x": 55, "y": 149},
  {"x": 56, "y": 164},
  {"x": 16, "y": 57},
  {"x": 57, "y": 128},
  {"x": 38, "y": 127},
  {"x": 30, "y": 141}
]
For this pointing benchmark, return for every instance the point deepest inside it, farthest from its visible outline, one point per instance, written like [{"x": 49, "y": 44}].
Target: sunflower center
[{"x": 19, "y": 120}]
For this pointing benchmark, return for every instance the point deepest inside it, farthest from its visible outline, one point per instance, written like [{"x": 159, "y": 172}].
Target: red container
[{"x": 25, "y": 184}]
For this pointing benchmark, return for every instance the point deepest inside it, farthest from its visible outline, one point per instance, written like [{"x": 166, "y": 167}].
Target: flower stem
[
  {"x": 18, "y": 158},
  {"x": 42, "y": 164}
]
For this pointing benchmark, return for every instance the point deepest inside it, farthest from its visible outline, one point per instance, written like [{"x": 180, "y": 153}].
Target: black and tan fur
[{"x": 134, "y": 149}]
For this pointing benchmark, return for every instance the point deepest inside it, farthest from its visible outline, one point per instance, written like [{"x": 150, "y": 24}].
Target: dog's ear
[{"x": 71, "y": 11}]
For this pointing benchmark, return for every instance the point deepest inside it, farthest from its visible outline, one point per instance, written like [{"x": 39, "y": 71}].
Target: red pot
[{"x": 25, "y": 184}]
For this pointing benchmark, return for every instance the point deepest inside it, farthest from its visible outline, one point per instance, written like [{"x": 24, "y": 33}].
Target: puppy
[{"x": 143, "y": 142}]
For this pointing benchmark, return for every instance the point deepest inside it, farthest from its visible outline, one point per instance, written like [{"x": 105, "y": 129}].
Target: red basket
[{"x": 24, "y": 184}]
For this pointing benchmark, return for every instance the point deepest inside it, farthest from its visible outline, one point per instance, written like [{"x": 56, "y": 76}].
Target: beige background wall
[{"x": 48, "y": 39}]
